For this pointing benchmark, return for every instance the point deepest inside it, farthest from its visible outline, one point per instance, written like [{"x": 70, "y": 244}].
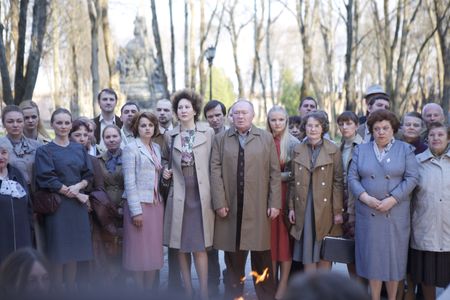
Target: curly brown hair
[
  {"x": 149, "y": 116},
  {"x": 192, "y": 96},
  {"x": 383, "y": 115}
]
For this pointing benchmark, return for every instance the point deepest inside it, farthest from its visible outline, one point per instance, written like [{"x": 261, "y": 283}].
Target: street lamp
[{"x": 209, "y": 54}]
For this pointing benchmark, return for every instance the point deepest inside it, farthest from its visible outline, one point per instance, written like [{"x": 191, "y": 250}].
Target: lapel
[
  {"x": 254, "y": 131},
  {"x": 173, "y": 134},
  {"x": 143, "y": 149},
  {"x": 324, "y": 157},
  {"x": 200, "y": 137},
  {"x": 302, "y": 156},
  {"x": 305, "y": 159}
]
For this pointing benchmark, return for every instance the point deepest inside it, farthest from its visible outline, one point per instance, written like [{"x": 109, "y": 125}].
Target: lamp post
[{"x": 209, "y": 54}]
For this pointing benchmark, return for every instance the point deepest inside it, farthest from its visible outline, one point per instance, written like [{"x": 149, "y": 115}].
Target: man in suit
[
  {"x": 246, "y": 195},
  {"x": 107, "y": 100}
]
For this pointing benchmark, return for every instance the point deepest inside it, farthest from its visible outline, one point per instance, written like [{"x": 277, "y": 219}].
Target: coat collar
[
  {"x": 254, "y": 131},
  {"x": 324, "y": 158},
  {"x": 199, "y": 138},
  {"x": 424, "y": 156}
]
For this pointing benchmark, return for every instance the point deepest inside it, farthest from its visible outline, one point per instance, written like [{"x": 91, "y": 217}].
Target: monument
[{"x": 140, "y": 76}]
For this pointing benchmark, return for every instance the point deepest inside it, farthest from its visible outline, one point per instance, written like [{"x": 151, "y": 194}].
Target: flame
[
  {"x": 243, "y": 279},
  {"x": 240, "y": 298},
  {"x": 262, "y": 277}
]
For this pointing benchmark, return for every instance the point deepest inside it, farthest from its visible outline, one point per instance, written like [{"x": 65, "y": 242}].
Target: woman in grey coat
[{"x": 382, "y": 175}]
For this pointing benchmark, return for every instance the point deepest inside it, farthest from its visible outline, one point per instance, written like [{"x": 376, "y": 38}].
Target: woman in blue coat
[
  {"x": 64, "y": 167},
  {"x": 382, "y": 175}
]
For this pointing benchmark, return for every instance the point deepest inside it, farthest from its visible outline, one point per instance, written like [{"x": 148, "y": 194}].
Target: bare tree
[
  {"x": 234, "y": 31},
  {"x": 172, "y": 47},
  {"x": 186, "y": 43},
  {"x": 55, "y": 36},
  {"x": 94, "y": 11},
  {"x": 113, "y": 75},
  {"x": 305, "y": 21},
  {"x": 159, "y": 53},
  {"x": 24, "y": 81},
  {"x": 442, "y": 12},
  {"x": 349, "y": 95},
  {"x": 393, "y": 33},
  {"x": 258, "y": 36}
]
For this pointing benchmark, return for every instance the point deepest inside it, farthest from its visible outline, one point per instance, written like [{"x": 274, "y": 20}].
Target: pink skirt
[{"x": 143, "y": 247}]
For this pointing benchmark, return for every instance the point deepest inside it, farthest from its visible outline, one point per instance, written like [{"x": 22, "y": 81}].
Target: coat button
[
  {"x": 322, "y": 168},
  {"x": 300, "y": 168},
  {"x": 323, "y": 183},
  {"x": 372, "y": 214},
  {"x": 372, "y": 176},
  {"x": 298, "y": 183},
  {"x": 387, "y": 177},
  {"x": 325, "y": 200},
  {"x": 297, "y": 199}
]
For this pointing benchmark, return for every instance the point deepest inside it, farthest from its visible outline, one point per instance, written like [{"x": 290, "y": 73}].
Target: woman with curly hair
[{"x": 189, "y": 218}]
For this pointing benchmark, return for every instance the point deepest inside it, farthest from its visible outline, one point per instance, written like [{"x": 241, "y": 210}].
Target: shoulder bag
[{"x": 164, "y": 184}]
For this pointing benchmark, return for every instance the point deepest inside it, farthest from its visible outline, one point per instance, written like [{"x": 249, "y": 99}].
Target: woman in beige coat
[
  {"x": 189, "y": 217},
  {"x": 315, "y": 202}
]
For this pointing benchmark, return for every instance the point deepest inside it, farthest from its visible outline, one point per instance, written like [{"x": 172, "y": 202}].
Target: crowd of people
[{"x": 275, "y": 192}]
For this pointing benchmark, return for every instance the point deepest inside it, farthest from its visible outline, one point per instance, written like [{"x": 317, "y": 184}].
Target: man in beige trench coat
[{"x": 246, "y": 195}]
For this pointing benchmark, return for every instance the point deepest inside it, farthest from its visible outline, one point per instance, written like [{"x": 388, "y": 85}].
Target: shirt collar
[{"x": 101, "y": 119}]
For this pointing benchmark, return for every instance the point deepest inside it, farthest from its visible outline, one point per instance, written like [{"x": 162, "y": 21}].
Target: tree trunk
[
  {"x": 193, "y": 67},
  {"x": 159, "y": 53},
  {"x": 305, "y": 25},
  {"x": 186, "y": 43},
  {"x": 349, "y": 99},
  {"x": 55, "y": 33},
  {"x": 234, "y": 31},
  {"x": 94, "y": 11},
  {"x": 201, "y": 60},
  {"x": 268, "y": 54},
  {"x": 19, "y": 84},
  {"x": 257, "y": 40},
  {"x": 6, "y": 82},
  {"x": 35, "y": 52},
  {"x": 113, "y": 72},
  {"x": 74, "y": 99},
  {"x": 442, "y": 11},
  {"x": 172, "y": 48},
  {"x": 13, "y": 40}
]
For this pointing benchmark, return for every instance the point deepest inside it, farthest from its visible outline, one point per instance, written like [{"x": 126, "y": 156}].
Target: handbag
[
  {"x": 164, "y": 184},
  {"x": 104, "y": 210},
  {"x": 338, "y": 249},
  {"x": 45, "y": 202}
]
